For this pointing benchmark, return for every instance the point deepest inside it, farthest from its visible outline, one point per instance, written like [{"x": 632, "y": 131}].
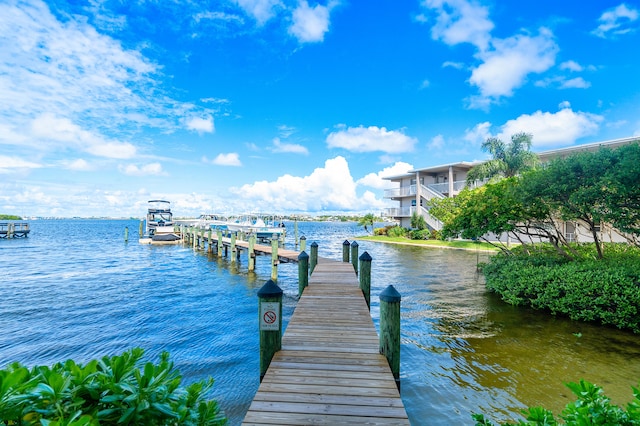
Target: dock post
[
  {"x": 295, "y": 234},
  {"x": 252, "y": 254},
  {"x": 303, "y": 272},
  {"x": 270, "y": 312},
  {"x": 233, "y": 247},
  {"x": 209, "y": 240},
  {"x": 303, "y": 243},
  {"x": 313, "y": 260},
  {"x": 354, "y": 256},
  {"x": 345, "y": 251},
  {"x": 126, "y": 234},
  {"x": 390, "y": 329},
  {"x": 274, "y": 257},
  {"x": 140, "y": 229},
  {"x": 9, "y": 230},
  {"x": 365, "y": 277},
  {"x": 219, "y": 233},
  {"x": 194, "y": 235}
]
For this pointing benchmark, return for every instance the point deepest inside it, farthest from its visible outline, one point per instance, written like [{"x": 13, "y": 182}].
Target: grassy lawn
[{"x": 458, "y": 244}]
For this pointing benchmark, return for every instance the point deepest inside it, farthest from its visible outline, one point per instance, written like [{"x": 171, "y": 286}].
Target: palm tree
[
  {"x": 508, "y": 159},
  {"x": 367, "y": 220}
]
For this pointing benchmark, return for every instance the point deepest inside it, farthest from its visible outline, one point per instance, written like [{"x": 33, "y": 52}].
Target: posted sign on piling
[{"x": 269, "y": 316}]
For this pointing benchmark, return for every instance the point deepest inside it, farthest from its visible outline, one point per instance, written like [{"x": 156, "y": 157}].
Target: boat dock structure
[
  {"x": 330, "y": 367},
  {"x": 10, "y": 230}
]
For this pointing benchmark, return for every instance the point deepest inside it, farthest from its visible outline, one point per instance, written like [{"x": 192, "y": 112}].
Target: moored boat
[{"x": 160, "y": 225}]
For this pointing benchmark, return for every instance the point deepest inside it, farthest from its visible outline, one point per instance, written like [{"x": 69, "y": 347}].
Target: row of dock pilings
[{"x": 270, "y": 309}]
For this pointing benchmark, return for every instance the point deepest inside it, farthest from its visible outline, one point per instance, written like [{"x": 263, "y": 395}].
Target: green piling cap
[
  {"x": 365, "y": 257},
  {"x": 354, "y": 244},
  {"x": 303, "y": 238},
  {"x": 269, "y": 289},
  {"x": 390, "y": 295},
  {"x": 346, "y": 243},
  {"x": 303, "y": 255},
  {"x": 314, "y": 244}
]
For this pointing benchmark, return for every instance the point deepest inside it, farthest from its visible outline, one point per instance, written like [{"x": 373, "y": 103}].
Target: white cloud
[
  {"x": 575, "y": 83},
  {"x": 260, "y": 10},
  {"x": 376, "y": 180},
  {"x": 7, "y": 163},
  {"x": 154, "y": 169},
  {"x": 455, "y": 65},
  {"x": 368, "y": 139},
  {"x": 479, "y": 134},
  {"x": 200, "y": 124},
  {"x": 279, "y": 146},
  {"x": 230, "y": 159},
  {"x": 328, "y": 188},
  {"x": 616, "y": 21},
  {"x": 571, "y": 66},
  {"x": 553, "y": 129},
  {"x": 506, "y": 66},
  {"x": 461, "y": 21},
  {"x": 425, "y": 84},
  {"x": 437, "y": 142},
  {"x": 310, "y": 23},
  {"x": 78, "y": 165},
  {"x": 101, "y": 92}
]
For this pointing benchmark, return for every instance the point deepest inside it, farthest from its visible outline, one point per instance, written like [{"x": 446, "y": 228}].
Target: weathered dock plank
[{"x": 329, "y": 370}]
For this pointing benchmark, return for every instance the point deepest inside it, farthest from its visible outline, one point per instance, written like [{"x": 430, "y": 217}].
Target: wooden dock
[
  {"x": 10, "y": 230},
  {"x": 330, "y": 370}
]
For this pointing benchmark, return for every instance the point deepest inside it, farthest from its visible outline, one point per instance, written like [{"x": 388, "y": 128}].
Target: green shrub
[
  {"x": 436, "y": 235},
  {"x": 381, "y": 231},
  {"x": 419, "y": 234},
  {"x": 588, "y": 289},
  {"x": 117, "y": 390},
  {"x": 591, "y": 408},
  {"x": 396, "y": 231}
]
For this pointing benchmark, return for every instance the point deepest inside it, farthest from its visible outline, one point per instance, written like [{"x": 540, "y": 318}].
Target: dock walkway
[{"x": 330, "y": 370}]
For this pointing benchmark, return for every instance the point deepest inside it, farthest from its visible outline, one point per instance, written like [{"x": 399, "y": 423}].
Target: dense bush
[
  {"x": 419, "y": 234},
  {"x": 117, "y": 390},
  {"x": 396, "y": 231},
  {"x": 591, "y": 408},
  {"x": 588, "y": 289}
]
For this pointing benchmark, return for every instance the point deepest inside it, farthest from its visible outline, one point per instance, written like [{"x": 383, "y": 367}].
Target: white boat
[
  {"x": 160, "y": 225},
  {"x": 263, "y": 226}
]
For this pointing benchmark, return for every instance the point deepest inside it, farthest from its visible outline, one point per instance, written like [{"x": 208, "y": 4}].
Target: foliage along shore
[
  {"x": 457, "y": 245},
  {"x": 9, "y": 217}
]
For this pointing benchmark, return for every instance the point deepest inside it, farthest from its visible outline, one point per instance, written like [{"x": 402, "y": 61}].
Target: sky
[{"x": 292, "y": 107}]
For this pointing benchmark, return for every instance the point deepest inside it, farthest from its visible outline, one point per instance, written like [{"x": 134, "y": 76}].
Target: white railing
[
  {"x": 400, "y": 211},
  {"x": 431, "y": 221},
  {"x": 428, "y": 193},
  {"x": 404, "y": 191}
]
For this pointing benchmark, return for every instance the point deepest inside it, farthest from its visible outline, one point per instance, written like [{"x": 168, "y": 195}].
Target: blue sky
[{"x": 298, "y": 106}]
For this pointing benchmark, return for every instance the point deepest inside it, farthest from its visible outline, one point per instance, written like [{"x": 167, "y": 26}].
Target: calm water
[{"x": 75, "y": 289}]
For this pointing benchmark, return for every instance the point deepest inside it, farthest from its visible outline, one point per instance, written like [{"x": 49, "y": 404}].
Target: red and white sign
[{"x": 269, "y": 316}]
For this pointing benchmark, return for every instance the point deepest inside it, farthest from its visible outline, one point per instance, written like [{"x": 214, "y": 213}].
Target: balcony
[{"x": 404, "y": 191}]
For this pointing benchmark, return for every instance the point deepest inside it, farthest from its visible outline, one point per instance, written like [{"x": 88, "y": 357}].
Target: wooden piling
[
  {"x": 354, "y": 256},
  {"x": 219, "y": 233},
  {"x": 303, "y": 272},
  {"x": 313, "y": 260},
  {"x": 126, "y": 234},
  {"x": 233, "y": 247},
  {"x": 303, "y": 243},
  {"x": 270, "y": 320},
  {"x": 140, "y": 229},
  {"x": 345, "y": 251},
  {"x": 390, "y": 329},
  {"x": 252, "y": 254},
  {"x": 210, "y": 241},
  {"x": 274, "y": 257},
  {"x": 365, "y": 277}
]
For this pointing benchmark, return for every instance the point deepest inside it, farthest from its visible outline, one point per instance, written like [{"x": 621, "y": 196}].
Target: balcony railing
[
  {"x": 400, "y": 212},
  {"x": 404, "y": 191}
]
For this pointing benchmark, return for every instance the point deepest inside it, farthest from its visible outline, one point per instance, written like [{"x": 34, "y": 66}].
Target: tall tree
[
  {"x": 507, "y": 160},
  {"x": 366, "y": 221}
]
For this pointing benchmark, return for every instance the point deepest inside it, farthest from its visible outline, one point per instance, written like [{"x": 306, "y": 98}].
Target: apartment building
[{"x": 417, "y": 186}]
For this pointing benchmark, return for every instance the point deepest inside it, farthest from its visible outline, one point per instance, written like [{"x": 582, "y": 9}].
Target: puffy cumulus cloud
[
  {"x": 229, "y": 159},
  {"x": 369, "y": 139},
  {"x": 151, "y": 169},
  {"x": 506, "y": 66},
  {"x": 616, "y": 21},
  {"x": 328, "y": 188},
  {"x": 200, "y": 124},
  {"x": 376, "y": 180},
  {"x": 460, "y": 21},
  {"x": 480, "y": 133},
  {"x": 553, "y": 129},
  {"x": 310, "y": 24},
  {"x": 260, "y": 10},
  {"x": 279, "y": 146}
]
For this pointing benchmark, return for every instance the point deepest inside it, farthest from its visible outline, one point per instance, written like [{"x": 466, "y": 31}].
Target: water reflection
[{"x": 466, "y": 351}]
